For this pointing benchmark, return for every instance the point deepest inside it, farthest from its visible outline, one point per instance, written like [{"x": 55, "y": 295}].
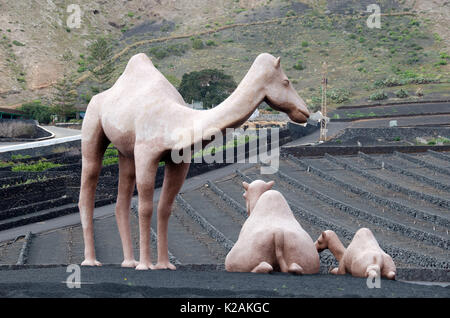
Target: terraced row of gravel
[{"x": 409, "y": 217}]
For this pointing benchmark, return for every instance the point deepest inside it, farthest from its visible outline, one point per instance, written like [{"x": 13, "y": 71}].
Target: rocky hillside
[{"x": 410, "y": 50}]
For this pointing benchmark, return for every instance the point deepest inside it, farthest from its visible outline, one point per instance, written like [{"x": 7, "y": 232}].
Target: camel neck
[
  {"x": 238, "y": 107},
  {"x": 335, "y": 246}
]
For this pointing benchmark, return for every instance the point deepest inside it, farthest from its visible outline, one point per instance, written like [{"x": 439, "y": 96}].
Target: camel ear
[
  {"x": 278, "y": 62},
  {"x": 245, "y": 185},
  {"x": 270, "y": 184},
  {"x": 324, "y": 234}
]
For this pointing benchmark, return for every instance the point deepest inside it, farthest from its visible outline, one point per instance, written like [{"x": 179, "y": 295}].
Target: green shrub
[
  {"x": 19, "y": 156},
  {"x": 299, "y": 65},
  {"x": 198, "y": 44},
  {"x": 414, "y": 22},
  {"x": 305, "y": 44},
  {"x": 362, "y": 69},
  {"x": 338, "y": 95},
  {"x": 110, "y": 161},
  {"x": 17, "y": 43},
  {"x": 378, "y": 96},
  {"x": 111, "y": 152},
  {"x": 41, "y": 165},
  {"x": 211, "y": 43},
  {"x": 159, "y": 52},
  {"x": 401, "y": 93}
]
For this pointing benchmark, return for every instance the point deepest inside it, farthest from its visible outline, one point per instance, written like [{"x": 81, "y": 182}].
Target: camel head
[
  {"x": 253, "y": 191},
  {"x": 322, "y": 242},
  {"x": 279, "y": 92}
]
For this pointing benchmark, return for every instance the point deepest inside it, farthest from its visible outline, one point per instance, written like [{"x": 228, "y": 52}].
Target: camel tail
[{"x": 279, "y": 250}]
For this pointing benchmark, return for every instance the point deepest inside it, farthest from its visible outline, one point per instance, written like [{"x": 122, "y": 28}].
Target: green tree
[
  {"x": 65, "y": 97},
  {"x": 37, "y": 111},
  {"x": 210, "y": 86},
  {"x": 100, "y": 60}
]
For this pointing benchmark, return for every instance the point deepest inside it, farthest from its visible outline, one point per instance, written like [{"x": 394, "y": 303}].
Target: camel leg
[
  {"x": 338, "y": 270},
  {"x": 146, "y": 166},
  {"x": 174, "y": 176},
  {"x": 263, "y": 268},
  {"x": 294, "y": 268},
  {"x": 94, "y": 143},
  {"x": 389, "y": 269},
  {"x": 127, "y": 180},
  {"x": 334, "y": 271}
]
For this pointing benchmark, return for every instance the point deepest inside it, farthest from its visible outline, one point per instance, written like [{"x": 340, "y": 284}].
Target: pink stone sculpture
[
  {"x": 139, "y": 115},
  {"x": 362, "y": 258},
  {"x": 271, "y": 239}
]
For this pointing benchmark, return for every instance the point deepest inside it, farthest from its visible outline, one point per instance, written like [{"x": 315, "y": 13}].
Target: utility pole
[{"x": 323, "y": 123}]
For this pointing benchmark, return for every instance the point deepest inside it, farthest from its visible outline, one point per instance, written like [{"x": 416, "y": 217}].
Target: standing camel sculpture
[
  {"x": 362, "y": 258},
  {"x": 139, "y": 114},
  {"x": 271, "y": 238}
]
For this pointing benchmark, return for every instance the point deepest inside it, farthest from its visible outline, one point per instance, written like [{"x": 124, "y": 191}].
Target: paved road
[
  {"x": 333, "y": 129},
  {"x": 62, "y": 132},
  {"x": 403, "y": 121},
  {"x": 113, "y": 281},
  {"x": 58, "y": 131}
]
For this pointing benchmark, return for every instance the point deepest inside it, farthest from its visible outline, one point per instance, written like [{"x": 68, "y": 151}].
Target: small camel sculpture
[
  {"x": 271, "y": 238},
  {"x": 139, "y": 114},
  {"x": 362, "y": 258}
]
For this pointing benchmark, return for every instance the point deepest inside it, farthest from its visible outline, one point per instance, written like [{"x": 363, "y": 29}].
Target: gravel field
[{"x": 112, "y": 281}]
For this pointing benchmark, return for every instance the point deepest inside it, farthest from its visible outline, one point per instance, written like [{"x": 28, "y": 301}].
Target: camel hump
[
  {"x": 365, "y": 232},
  {"x": 138, "y": 63},
  {"x": 270, "y": 195},
  {"x": 140, "y": 58},
  {"x": 273, "y": 201}
]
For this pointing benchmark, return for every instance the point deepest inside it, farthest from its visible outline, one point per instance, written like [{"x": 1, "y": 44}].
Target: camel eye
[{"x": 286, "y": 82}]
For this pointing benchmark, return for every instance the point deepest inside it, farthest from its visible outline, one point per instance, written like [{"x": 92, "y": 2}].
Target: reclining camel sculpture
[
  {"x": 139, "y": 115},
  {"x": 362, "y": 258},
  {"x": 271, "y": 238}
]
